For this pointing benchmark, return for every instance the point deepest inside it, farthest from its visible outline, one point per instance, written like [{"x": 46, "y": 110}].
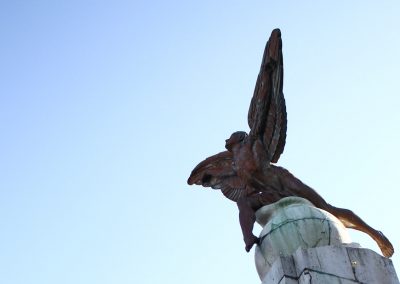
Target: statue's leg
[
  {"x": 351, "y": 220},
  {"x": 247, "y": 207}
]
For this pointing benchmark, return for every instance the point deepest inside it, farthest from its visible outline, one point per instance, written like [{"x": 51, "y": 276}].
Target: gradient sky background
[{"x": 106, "y": 107}]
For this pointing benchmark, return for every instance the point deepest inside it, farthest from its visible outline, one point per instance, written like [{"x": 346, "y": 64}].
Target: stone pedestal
[
  {"x": 331, "y": 265},
  {"x": 300, "y": 243}
]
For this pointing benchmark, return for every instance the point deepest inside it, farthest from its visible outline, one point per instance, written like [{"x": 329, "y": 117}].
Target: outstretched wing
[
  {"x": 217, "y": 172},
  {"x": 267, "y": 113}
]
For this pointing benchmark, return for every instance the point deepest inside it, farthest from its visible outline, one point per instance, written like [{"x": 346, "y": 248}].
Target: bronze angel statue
[{"x": 245, "y": 172}]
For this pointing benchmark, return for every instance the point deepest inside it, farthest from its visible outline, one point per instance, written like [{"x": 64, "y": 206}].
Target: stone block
[
  {"x": 283, "y": 267},
  {"x": 370, "y": 267},
  {"x": 330, "y": 265},
  {"x": 314, "y": 277},
  {"x": 329, "y": 259},
  {"x": 287, "y": 280}
]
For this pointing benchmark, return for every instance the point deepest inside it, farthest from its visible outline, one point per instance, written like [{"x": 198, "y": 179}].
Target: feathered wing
[
  {"x": 217, "y": 172},
  {"x": 267, "y": 113}
]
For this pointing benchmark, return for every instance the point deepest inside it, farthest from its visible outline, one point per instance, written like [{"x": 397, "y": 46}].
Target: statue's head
[{"x": 235, "y": 138}]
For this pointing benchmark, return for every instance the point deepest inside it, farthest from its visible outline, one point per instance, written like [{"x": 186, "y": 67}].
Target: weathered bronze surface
[{"x": 244, "y": 172}]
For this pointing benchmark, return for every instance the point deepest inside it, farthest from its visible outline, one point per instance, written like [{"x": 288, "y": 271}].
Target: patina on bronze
[{"x": 245, "y": 173}]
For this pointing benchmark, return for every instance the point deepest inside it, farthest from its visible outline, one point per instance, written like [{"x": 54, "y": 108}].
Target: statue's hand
[{"x": 250, "y": 241}]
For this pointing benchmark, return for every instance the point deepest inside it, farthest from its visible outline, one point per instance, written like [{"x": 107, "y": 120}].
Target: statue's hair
[{"x": 240, "y": 134}]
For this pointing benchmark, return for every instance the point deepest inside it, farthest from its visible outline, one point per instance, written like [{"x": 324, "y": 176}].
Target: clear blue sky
[{"x": 105, "y": 108}]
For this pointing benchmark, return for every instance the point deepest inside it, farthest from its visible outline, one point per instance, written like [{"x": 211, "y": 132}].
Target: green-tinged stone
[{"x": 291, "y": 223}]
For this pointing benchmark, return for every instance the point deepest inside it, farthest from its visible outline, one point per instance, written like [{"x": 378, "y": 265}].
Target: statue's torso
[{"x": 265, "y": 178}]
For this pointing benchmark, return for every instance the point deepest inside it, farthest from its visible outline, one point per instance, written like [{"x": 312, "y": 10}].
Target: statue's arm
[{"x": 247, "y": 217}]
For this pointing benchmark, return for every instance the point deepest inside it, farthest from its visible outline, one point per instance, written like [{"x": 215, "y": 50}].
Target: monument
[{"x": 246, "y": 174}]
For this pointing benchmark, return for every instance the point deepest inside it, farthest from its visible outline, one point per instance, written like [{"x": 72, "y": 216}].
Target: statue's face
[{"x": 235, "y": 138}]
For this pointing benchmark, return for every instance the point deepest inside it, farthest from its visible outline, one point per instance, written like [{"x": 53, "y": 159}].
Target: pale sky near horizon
[{"x": 106, "y": 107}]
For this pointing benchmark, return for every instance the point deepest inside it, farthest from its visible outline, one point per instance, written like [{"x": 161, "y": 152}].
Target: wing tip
[
  {"x": 276, "y": 31},
  {"x": 190, "y": 180}
]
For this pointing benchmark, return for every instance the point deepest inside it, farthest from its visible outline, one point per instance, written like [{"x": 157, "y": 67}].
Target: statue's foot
[
  {"x": 250, "y": 241},
  {"x": 384, "y": 244}
]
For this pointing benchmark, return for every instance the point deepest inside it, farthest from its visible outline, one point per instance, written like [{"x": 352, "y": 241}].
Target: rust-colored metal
[{"x": 244, "y": 172}]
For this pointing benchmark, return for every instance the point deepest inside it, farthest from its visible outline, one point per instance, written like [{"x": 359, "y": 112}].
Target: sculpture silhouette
[{"x": 244, "y": 172}]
